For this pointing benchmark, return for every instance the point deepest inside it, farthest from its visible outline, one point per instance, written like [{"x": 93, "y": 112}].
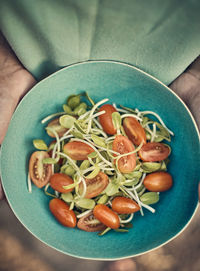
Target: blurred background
[{"x": 20, "y": 250}]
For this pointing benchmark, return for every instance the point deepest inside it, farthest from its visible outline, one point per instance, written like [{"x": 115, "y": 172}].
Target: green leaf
[
  {"x": 134, "y": 182},
  {"x": 86, "y": 203},
  {"x": 133, "y": 174},
  {"x": 150, "y": 166},
  {"x": 140, "y": 188},
  {"x": 163, "y": 166},
  {"x": 40, "y": 144},
  {"x": 80, "y": 126},
  {"x": 92, "y": 155},
  {"x": 77, "y": 134},
  {"x": 71, "y": 207},
  {"x": 94, "y": 173},
  {"x": 98, "y": 140},
  {"x": 49, "y": 160},
  {"x": 103, "y": 199},
  {"x": 144, "y": 121},
  {"x": 84, "y": 165},
  {"x": 111, "y": 189},
  {"x": 69, "y": 186},
  {"x": 73, "y": 101},
  {"x": 142, "y": 191},
  {"x": 105, "y": 155},
  {"x": 120, "y": 179},
  {"x": 69, "y": 170},
  {"x": 67, "y": 121},
  {"x": 150, "y": 198},
  {"x": 51, "y": 146},
  {"x": 116, "y": 119},
  {"x": 163, "y": 130},
  {"x": 67, "y": 197},
  {"x": 80, "y": 109},
  {"x": 67, "y": 109}
]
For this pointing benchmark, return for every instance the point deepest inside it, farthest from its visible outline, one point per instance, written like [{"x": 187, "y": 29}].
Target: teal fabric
[{"x": 159, "y": 37}]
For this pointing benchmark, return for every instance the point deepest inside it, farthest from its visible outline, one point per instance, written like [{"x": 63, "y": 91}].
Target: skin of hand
[
  {"x": 187, "y": 86},
  {"x": 15, "y": 81}
]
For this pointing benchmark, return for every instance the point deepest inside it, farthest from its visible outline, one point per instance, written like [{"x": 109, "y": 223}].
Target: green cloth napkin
[{"x": 159, "y": 37}]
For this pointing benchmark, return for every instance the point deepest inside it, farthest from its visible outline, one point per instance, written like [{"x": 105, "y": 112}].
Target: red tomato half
[
  {"x": 123, "y": 145},
  {"x": 62, "y": 213},
  {"x": 58, "y": 180},
  {"x": 154, "y": 151},
  {"x": 39, "y": 173},
  {"x": 106, "y": 119},
  {"x": 89, "y": 223},
  {"x": 134, "y": 131},
  {"x": 77, "y": 150},
  {"x": 95, "y": 186},
  {"x": 106, "y": 216}
]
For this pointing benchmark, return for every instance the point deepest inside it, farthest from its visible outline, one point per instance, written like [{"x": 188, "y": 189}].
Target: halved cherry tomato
[
  {"x": 77, "y": 150},
  {"x": 62, "y": 213},
  {"x": 123, "y": 205},
  {"x": 94, "y": 186},
  {"x": 89, "y": 223},
  {"x": 58, "y": 180},
  {"x": 106, "y": 119},
  {"x": 123, "y": 145},
  {"x": 158, "y": 181},
  {"x": 55, "y": 124},
  {"x": 134, "y": 131},
  {"x": 154, "y": 151},
  {"x": 106, "y": 216},
  {"x": 39, "y": 173}
]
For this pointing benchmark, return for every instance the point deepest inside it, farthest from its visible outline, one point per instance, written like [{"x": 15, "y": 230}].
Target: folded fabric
[{"x": 159, "y": 37}]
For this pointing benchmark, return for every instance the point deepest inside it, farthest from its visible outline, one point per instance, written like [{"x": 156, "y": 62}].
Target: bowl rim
[{"x": 147, "y": 75}]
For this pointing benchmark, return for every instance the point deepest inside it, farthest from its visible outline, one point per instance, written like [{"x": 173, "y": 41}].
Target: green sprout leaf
[
  {"x": 67, "y": 121},
  {"x": 98, "y": 140},
  {"x": 116, "y": 119},
  {"x": 40, "y": 144}
]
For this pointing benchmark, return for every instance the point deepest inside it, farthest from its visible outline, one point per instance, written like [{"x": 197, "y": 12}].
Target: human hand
[
  {"x": 187, "y": 86},
  {"x": 15, "y": 81}
]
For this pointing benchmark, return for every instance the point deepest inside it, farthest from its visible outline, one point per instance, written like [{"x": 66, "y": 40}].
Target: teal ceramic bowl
[{"x": 122, "y": 84}]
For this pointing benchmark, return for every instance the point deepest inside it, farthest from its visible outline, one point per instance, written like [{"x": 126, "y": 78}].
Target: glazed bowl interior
[{"x": 128, "y": 86}]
